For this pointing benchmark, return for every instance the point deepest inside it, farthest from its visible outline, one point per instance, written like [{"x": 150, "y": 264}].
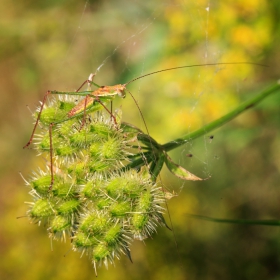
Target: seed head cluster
[{"x": 95, "y": 202}]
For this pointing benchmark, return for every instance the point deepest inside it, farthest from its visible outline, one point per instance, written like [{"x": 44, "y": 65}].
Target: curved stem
[{"x": 221, "y": 121}]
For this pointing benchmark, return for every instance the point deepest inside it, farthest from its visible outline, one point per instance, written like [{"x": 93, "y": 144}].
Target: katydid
[{"x": 101, "y": 96}]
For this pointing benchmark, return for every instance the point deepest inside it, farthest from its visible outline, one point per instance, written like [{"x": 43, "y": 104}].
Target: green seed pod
[
  {"x": 99, "y": 166},
  {"x": 112, "y": 149},
  {"x": 102, "y": 128},
  {"x": 64, "y": 188},
  {"x": 102, "y": 203},
  {"x": 83, "y": 241},
  {"x": 82, "y": 138},
  {"x": 128, "y": 184},
  {"x": 66, "y": 103},
  {"x": 64, "y": 150},
  {"x": 66, "y": 128},
  {"x": 147, "y": 213},
  {"x": 113, "y": 236},
  {"x": 139, "y": 222},
  {"x": 50, "y": 115},
  {"x": 55, "y": 110},
  {"x": 120, "y": 209},
  {"x": 68, "y": 207},
  {"x": 59, "y": 225},
  {"x": 145, "y": 202},
  {"x": 142, "y": 217},
  {"x": 43, "y": 142},
  {"x": 95, "y": 223},
  {"x": 93, "y": 188},
  {"x": 77, "y": 169},
  {"x": 100, "y": 253},
  {"x": 94, "y": 149},
  {"x": 41, "y": 184},
  {"x": 42, "y": 208}
]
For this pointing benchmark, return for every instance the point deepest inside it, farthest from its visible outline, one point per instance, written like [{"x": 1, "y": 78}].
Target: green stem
[
  {"x": 221, "y": 121},
  {"x": 242, "y": 221}
]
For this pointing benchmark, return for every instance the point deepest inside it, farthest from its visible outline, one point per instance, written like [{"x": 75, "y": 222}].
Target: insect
[{"x": 97, "y": 99}]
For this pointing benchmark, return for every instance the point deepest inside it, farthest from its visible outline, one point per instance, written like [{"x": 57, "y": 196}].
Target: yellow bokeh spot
[{"x": 243, "y": 35}]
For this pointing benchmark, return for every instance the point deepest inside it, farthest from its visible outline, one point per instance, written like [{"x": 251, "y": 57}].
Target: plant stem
[
  {"x": 238, "y": 221},
  {"x": 221, "y": 121}
]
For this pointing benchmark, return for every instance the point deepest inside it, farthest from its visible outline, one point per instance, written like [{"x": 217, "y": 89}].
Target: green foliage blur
[{"x": 57, "y": 44}]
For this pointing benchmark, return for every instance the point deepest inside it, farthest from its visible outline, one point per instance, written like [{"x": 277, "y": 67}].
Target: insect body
[{"x": 91, "y": 98}]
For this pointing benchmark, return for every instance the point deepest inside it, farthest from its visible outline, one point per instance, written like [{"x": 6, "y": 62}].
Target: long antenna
[
  {"x": 195, "y": 65},
  {"x": 142, "y": 117}
]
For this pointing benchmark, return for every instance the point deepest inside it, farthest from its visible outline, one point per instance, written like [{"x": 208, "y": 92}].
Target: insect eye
[{"x": 122, "y": 93}]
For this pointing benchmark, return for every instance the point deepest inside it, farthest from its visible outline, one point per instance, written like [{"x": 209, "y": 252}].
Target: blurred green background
[{"x": 56, "y": 44}]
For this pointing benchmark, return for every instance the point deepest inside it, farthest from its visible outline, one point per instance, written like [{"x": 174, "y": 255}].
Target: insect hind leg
[
  {"x": 51, "y": 155},
  {"x": 38, "y": 118},
  {"x": 109, "y": 111},
  {"x": 87, "y": 98},
  {"x": 88, "y": 81}
]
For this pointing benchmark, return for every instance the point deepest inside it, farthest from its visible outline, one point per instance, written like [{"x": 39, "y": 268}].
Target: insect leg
[
  {"x": 88, "y": 97},
  {"x": 111, "y": 109},
  {"x": 38, "y": 118},
  {"x": 51, "y": 155},
  {"x": 111, "y": 114},
  {"x": 88, "y": 81}
]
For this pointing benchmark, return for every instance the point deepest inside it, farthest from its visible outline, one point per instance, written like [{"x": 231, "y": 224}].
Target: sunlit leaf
[{"x": 179, "y": 171}]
